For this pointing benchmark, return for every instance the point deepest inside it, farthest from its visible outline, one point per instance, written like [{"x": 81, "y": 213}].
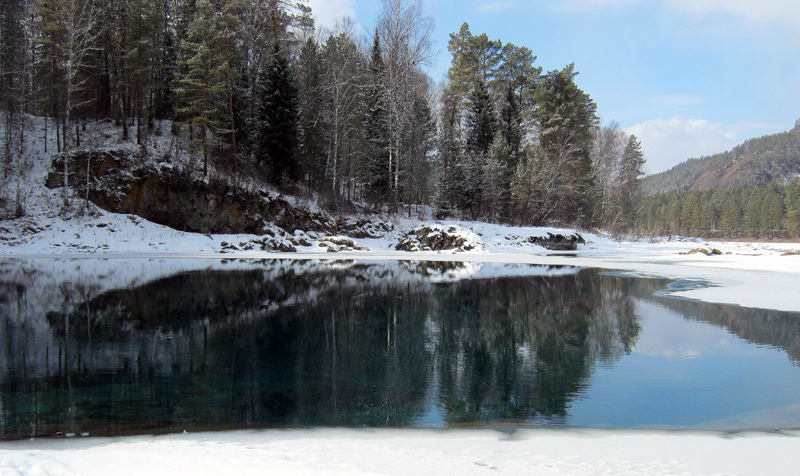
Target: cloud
[
  {"x": 668, "y": 142},
  {"x": 325, "y": 12},
  {"x": 667, "y": 335},
  {"x": 765, "y": 12},
  {"x": 496, "y": 7}
]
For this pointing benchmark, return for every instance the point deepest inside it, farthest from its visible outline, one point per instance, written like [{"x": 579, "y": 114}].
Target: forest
[
  {"x": 768, "y": 160},
  {"x": 349, "y": 119},
  {"x": 751, "y": 191},
  {"x": 765, "y": 212}
]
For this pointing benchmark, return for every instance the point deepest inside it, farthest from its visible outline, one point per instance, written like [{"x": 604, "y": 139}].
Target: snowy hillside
[{"x": 36, "y": 219}]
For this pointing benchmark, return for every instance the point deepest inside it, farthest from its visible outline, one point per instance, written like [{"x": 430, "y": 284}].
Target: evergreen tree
[
  {"x": 566, "y": 117},
  {"x": 277, "y": 138},
  {"x": 481, "y": 123},
  {"x": 511, "y": 126},
  {"x": 449, "y": 148},
  {"x": 772, "y": 212},
  {"x": 343, "y": 74},
  {"x": 14, "y": 71},
  {"x": 205, "y": 86},
  {"x": 629, "y": 195},
  {"x": 419, "y": 143},
  {"x": 311, "y": 146},
  {"x": 379, "y": 173},
  {"x": 517, "y": 73},
  {"x": 497, "y": 180},
  {"x": 792, "y": 220}
]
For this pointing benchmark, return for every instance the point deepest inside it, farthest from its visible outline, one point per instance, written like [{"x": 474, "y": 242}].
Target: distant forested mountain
[{"x": 767, "y": 160}]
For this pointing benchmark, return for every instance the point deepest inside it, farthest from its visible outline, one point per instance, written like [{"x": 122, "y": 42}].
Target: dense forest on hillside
[
  {"x": 352, "y": 121},
  {"x": 772, "y": 159},
  {"x": 751, "y": 191},
  {"x": 767, "y": 212}
]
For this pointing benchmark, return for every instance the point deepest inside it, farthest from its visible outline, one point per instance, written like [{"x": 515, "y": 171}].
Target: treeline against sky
[
  {"x": 349, "y": 118},
  {"x": 767, "y": 212}
]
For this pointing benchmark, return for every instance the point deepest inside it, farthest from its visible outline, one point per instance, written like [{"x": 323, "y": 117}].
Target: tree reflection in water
[{"x": 336, "y": 343}]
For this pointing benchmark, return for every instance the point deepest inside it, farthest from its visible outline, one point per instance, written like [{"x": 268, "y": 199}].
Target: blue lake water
[{"x": 114, "y": 346}]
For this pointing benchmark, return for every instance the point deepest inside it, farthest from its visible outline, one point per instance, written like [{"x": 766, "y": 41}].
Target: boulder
[
  {"x": 437, "y": 238},
  {"x": 558, "y": 242}
]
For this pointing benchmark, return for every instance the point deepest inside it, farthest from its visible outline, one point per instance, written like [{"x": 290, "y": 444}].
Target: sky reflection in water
[{"x": 116, "y": 347}]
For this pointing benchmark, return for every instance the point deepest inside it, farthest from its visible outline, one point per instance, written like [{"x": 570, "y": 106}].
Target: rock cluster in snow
[
  {"x": 439, "y": 238},
  {"x": 558, "y": 242}
]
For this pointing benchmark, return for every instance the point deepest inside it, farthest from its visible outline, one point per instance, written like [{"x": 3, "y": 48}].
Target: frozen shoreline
[
  {"x": 746, "y": 274},
  {"x": 400, "y": 452},
  {"x": 751, "y": 274}
]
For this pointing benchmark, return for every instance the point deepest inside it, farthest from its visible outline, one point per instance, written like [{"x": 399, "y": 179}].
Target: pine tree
[
  {"x": 418, "y": 142},
  {"x": 629, "y": 195},
  {"x": 142, "y": 59},
  {"x": 567, "y": 119},
  {"x": 379, "y": 173},
  {"x": 311, "y": 146},
  {"x": 205, "y": 87},
  {"x": 511, "y": 126},
  {"x": 277, "y": 138},
  {"x": 13, "y": 80},
  {"x": 771, "y": 211},
  {"x": 449, "y": 148}
]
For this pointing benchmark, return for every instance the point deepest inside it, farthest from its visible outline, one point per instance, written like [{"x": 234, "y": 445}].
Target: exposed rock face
[
  {"x": 122, "y": 182},
  {"x": 558, "y": 242},
  {"x": 437, "y": 238}
]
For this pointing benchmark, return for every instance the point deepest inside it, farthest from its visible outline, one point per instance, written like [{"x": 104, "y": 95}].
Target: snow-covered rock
[{"x": 437, "y": 237}]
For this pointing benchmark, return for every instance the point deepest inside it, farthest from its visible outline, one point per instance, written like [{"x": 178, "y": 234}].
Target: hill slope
[{"x": 761, "y": 161}]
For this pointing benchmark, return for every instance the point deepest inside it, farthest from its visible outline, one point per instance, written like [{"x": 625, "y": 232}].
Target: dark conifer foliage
[
  {"x": 379, "y": 173},
  {"x": 766, "y": 212},
  {"x": 277, "y": 139},
  {"x": 252, "y": 91},
  {"x": 481, "y": 121},
  {"x": 312, "y": 145}
]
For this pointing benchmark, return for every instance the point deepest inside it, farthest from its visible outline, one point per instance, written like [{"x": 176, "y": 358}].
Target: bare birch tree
[{"x": 406, "y": 40}]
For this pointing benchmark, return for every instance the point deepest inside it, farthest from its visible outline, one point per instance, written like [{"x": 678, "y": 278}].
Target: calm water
[{"x": 116, "y": 346}]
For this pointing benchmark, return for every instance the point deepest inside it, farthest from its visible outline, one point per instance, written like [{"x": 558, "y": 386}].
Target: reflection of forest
[
  {"x": 342, "y": 344},
  {"x": 759, "y": 326}
]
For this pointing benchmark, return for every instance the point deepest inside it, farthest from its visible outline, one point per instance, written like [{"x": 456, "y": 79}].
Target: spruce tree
[
  {"x": 311, "y": 146},
  {"x": 481, "y": 123},
  {"x": 418, "y": 142},
  {"x": 277, "y": 137},
  {"x": 379, "y": 173}
]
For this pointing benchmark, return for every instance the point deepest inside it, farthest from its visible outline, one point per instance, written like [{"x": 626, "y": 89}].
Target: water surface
[{"x": 112, "y": 346}]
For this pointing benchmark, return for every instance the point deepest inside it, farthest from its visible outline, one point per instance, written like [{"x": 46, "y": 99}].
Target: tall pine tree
[{"x": 277, "y": 139}]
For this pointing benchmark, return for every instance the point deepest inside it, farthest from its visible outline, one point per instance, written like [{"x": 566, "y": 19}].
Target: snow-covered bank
[
  {"x": 763, "y": 275},
  {"x": 402, "y": 452}
]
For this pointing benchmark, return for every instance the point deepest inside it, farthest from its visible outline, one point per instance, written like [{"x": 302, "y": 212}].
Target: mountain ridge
[{"x": 765, "y": 160}]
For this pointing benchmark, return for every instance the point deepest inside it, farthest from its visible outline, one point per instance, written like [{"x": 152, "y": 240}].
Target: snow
[
  {"x": 763, "y": 275},
  {"x": 401, "y": 452}
]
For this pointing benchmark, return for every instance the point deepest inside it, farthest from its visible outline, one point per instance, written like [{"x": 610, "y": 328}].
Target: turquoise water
[{"x": 214, "y": 344}]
